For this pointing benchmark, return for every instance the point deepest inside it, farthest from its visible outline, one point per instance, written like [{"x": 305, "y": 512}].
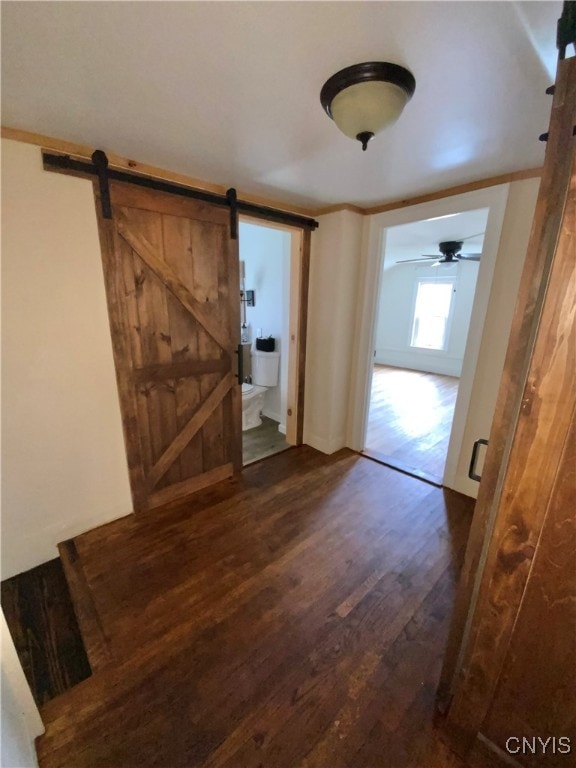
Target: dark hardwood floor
[
  {"x": 41, "y": 620},
  {"x": 293, "y": 616},
  {"x": 410, "y": 419}
]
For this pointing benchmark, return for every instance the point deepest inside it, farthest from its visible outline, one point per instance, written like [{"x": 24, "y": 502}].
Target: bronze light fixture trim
[{"x": 365, "y": 98}]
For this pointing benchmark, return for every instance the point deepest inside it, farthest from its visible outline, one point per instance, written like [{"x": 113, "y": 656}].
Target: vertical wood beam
[
  {"x": 469, "y": 707},
  {"x": 303, "y": 328}
]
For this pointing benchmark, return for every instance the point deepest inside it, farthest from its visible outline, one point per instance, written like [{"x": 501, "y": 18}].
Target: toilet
[{"x": 265, "y": 367}]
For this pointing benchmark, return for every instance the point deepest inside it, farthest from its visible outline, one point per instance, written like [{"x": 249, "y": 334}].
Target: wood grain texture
[
  {"x": 171, "y": 274},
  {"x": 191, "y": 428},
  {"x": 120, "y": 319},
  {"x": 553, "y": 192},
  {"x": 293, "y": 615},
  {"x": 302, "y": 330},
  {"x": 93, "y": 636},
  {"x": 532, "y": 480},
  {"x": 43, "y": 626},
  {"x": 197, "y": 309},
  {"x": 184, "y": 488},
  {"x": 536, "y": 691},
  {"x": 180, "y": 370},
  {"x": 410, "y": 419}
]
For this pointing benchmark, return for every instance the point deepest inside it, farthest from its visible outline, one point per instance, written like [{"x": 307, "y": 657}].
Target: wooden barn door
[
  {"x": 171, "y": 273},
  {"x": 509, "y": 666}
]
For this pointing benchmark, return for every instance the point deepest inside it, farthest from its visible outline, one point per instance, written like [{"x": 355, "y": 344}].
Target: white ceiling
[{"x": 229, "y": 91}]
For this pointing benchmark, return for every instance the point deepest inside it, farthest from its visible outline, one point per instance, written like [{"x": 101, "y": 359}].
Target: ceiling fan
[{"x": 450, "y": 250}]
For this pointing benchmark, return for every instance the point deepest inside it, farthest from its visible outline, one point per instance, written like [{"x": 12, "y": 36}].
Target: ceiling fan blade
[
  {"x": 469, "y": 257},
  {"x": 422, "y": 258}
]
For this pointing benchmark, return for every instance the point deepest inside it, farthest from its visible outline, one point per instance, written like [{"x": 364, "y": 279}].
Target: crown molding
[{"x": 460, "y": 189}]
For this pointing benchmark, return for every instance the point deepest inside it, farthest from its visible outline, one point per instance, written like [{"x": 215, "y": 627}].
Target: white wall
[
  {"x": 334, "y": 269},
  {"x": 265, "y": 252},
  {"x": 64, "y": 465},
  {"x": 20, "y": 722},
  {"x": 395, "y": 312}
]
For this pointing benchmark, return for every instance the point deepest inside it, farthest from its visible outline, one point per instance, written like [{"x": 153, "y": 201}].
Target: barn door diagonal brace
[{"x": 101, "y": 163}]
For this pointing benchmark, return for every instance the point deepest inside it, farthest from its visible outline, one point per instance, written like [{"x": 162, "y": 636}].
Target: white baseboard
[
  {"x": 282, "y": 428},
  {"x": 272, "y": 415},
  {"x": 326, "y": 445},
  {"x": 426, "y": 362}
]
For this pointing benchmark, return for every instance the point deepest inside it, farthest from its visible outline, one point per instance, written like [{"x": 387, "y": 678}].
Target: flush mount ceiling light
[{"x": 365, "y": 98}]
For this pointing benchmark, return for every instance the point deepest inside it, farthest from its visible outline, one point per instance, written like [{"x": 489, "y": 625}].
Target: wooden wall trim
[
  {"x": 466, "y": 672},
  {"x": 303, "y": 332},
  {"x": 337, "y": 207},
  {"x": 124, "y": 163},
  {"x": 472, "y": 186},
  {"x": 118, "y": 161}
]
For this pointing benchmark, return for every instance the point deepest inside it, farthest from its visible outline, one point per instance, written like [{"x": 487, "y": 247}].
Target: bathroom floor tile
[{"x": 262, "y": 441}]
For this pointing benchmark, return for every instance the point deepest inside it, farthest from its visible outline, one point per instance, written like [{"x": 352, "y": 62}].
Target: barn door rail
[{"x": 99, "y": 167}]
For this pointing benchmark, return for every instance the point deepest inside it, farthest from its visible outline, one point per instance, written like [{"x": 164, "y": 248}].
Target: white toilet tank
[{"x": 265, "y": 368}]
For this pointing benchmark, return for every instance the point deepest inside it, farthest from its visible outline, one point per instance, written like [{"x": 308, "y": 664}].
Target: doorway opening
[
  {"x": 270, "y": 275},
  {"x": 423, "y": 313}
]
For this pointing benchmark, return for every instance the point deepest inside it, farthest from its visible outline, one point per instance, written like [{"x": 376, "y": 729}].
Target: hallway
[
  {"x": 295, "y": 615},
  {"x": 410, "y": 418}
]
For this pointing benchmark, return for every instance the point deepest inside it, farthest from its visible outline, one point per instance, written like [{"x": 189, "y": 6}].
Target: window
[{"x": 431, "y": 313}]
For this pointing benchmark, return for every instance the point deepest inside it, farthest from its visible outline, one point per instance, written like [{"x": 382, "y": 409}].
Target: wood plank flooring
[
  {"x": 262, "y": 441},
  {"x": 293, "y": 616},
  {"x": 44, "y": 629},
  {"x": 410, "y": 418}
]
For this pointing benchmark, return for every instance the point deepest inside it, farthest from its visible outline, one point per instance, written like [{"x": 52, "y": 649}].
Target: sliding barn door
[{"x": 171, "y": 273}]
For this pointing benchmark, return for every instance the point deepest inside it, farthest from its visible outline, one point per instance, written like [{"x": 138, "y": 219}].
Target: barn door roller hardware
[
  {"x": 566, "y": 29},
  {"x": 99, "y": 167},
  {"x": 565, "y": 36},
  {"x": 101, "y": 164},
  {"x": 232, "y": 198}
]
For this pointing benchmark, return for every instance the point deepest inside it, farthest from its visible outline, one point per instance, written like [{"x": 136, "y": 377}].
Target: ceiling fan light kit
[{"x": 366, "y": 98}]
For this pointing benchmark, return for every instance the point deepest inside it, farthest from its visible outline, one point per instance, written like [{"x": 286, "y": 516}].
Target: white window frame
[{"x": 447, "y": 279}]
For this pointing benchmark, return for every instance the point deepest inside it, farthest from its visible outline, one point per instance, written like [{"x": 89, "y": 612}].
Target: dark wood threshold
[
  {"x": 400, "y": 466},
  {"x": 95, "y": 640}
]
